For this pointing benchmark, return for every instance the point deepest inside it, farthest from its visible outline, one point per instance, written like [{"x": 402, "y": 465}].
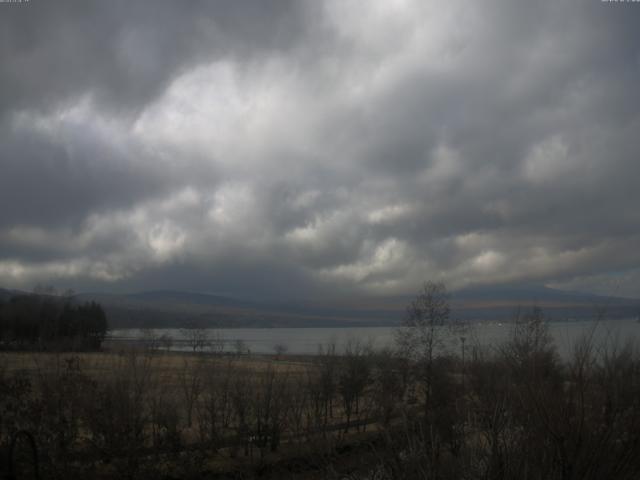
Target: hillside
[{"x": 177, "y": 309}]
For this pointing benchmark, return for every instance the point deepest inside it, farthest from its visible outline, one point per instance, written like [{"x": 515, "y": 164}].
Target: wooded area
[{"x": 46, "y": 322}]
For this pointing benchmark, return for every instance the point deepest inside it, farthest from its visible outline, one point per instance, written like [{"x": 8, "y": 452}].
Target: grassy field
[{"x": 165, "y": 363}]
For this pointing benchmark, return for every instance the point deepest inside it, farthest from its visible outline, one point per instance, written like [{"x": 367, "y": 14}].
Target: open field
[{"x": 167, "y": 364}]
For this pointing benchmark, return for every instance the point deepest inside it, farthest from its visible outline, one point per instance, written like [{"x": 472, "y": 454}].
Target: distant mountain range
[
  {"x": 166, "y": 308},
  {"x": 501, "y": 303}
]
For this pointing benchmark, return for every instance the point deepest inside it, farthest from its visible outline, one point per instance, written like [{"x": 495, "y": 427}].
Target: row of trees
[{"x": 47, "y": 321}]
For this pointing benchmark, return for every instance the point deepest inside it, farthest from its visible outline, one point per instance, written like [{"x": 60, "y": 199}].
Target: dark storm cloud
[
  {"x": 297, "y": 147},
  {"x": 124, "y": 52},
  {"x": 58, "y": 185}
]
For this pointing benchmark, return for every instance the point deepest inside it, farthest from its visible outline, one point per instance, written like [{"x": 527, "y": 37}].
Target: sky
[{"x": 319, "y": 148}]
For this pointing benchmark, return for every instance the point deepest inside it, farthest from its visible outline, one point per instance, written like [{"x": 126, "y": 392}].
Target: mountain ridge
[
  {"x": 471, "y": 304},
  {"x": 176, "y": 308}
]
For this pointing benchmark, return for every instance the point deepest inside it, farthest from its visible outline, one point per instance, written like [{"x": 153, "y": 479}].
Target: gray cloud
[
  {"x": 297, "y": 148},
  {"x": 124, "y": 53}
]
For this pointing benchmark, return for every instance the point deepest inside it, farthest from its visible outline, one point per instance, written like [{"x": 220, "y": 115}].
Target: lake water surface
[{"x": 307, "y": 340}]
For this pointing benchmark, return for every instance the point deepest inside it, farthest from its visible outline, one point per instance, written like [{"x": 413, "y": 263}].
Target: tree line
[{"x": 42, "y": 322}]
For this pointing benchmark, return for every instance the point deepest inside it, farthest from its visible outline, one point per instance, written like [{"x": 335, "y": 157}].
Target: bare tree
[
  {"x": 353, "y": 378},
  {"x": 299, "y": 405},
  {"x": 280, "y": 349},
  {"x": 215, "y": 411},
  {"x": 217, "y": 343},
  {"x": 328, "y": 363},
  {"x": 166, "y": 341},
  {"x": 388, "y": 384},
  {"x": 191, "y": 383},
  {"x": 531, "y": 350},
  {"x": 197, "y": 338},
  {"x": 242, "y": 409},
  {"x": 240, "y": 347},
  {"x": 118, "y": 417},
  {"x": 269, "y": 405},
  {"x": 150, "y": 339},
  {"x": 421, "y": 333}
]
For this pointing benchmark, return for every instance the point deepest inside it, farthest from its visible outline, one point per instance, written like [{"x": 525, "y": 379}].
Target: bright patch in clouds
[{"x": 323, "y": 148}]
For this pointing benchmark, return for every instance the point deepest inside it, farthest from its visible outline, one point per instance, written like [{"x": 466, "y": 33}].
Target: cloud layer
[{"x": 314, "y": 148}]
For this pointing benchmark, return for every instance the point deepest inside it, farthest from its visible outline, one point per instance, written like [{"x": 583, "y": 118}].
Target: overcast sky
[{"x": 303, "y": 148}]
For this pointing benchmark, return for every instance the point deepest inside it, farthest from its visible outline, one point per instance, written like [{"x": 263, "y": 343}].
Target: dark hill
[{"x": 176, "y": 309}]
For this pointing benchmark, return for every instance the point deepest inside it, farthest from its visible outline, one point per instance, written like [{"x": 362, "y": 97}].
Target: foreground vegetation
[{"x": 515, "y": 411}]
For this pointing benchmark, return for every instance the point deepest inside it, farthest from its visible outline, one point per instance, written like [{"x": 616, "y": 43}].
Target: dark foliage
[{"x": 47, "y": 322}]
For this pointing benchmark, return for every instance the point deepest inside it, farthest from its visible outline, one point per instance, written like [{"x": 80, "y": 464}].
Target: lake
[{"x": 307, "y": 340}]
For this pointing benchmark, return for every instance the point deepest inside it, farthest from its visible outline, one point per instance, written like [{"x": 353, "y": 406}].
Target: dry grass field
[{"x": 166, "y": 364}]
